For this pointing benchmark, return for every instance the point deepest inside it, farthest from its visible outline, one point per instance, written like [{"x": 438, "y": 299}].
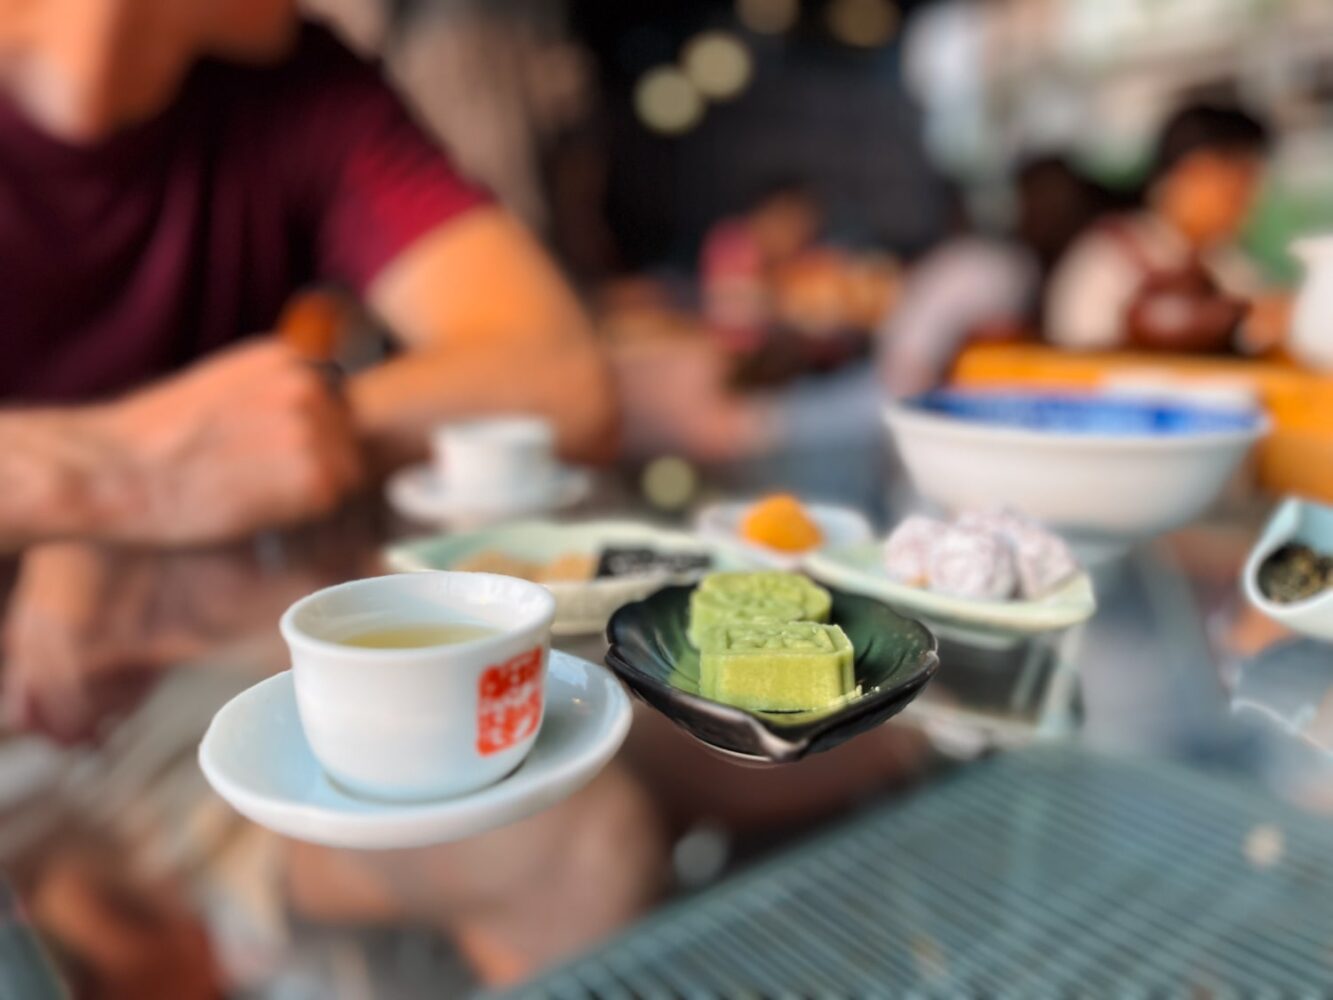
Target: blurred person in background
[
  {"x": 783, "y": 301},
  {"x": 743, "y": 255},
  {"x": 677, "y": 370},
  {"x": 975, "y": 286},
  {"x": 1170, "y": 275},
  {"x": 170, "y": 173}
]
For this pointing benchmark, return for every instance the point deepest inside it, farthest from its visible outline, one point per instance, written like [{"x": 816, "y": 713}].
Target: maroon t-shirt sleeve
[{"x": 368, "y": 180}]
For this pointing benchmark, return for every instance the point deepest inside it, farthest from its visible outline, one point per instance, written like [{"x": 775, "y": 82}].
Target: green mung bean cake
[
  {"x": 776, "y": 666},
  {"x": 738, "y": 598}
]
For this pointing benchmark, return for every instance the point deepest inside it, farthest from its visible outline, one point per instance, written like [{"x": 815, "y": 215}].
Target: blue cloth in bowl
[{"x": 1102, "y": 415}]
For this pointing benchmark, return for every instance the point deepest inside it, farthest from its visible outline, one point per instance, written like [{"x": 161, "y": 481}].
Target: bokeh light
[
  {"x": 768, "y": 17},
  {"x": 866, "y": 24},
  {"x": 666, "y": 101},
  {"x": 718, "y": 64},
  {"x": 669, "y": 482},
  {"x": 1265, "y": 845}
]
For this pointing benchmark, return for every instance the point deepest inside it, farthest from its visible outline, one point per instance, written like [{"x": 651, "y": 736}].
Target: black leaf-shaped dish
[{"x": 895, "y": 658}]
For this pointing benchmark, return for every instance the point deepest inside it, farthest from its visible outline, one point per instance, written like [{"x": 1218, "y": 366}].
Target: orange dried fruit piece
[{"x": 780, "y": 522}]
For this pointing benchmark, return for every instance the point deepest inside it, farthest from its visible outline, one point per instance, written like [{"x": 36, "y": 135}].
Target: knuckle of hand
[
  {"x": 320, "y": 486},
  {"x": 302, "y": 387},
  {"x": 296, "y": 435}
]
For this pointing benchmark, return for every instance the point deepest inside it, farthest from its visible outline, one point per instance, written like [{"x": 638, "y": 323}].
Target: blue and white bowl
[{"x": 1096, "y": 467}]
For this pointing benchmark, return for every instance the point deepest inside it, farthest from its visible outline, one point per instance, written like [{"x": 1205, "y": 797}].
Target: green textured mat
[{"x": 1044, "y": 873}]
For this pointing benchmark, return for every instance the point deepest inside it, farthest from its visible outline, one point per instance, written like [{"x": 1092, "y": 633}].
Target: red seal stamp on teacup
[{"x": 509, "y": 706}]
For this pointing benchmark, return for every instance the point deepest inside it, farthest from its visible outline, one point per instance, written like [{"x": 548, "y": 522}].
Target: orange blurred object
[
  {"x": 810, "y": 291},
  {"x": 314, "y": 323},
  {"x": 780, "y": 522},
  {"x": 1297, "y": 457},
  {"x": 826, "y": 289}
]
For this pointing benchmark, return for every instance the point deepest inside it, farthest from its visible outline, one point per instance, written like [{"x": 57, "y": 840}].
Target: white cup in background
[
  {"x": 430, "y": 721},
  {"x": 495, "y": 457}
]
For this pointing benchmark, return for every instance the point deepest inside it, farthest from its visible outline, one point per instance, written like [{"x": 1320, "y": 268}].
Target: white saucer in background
[
  {"x": 255, "y": 756},
  {"x": 839, "y": 526},
  {"x": 860, "y": 569},
  {"x": 582, "y": 607},
  {"x": 417, "y": 493}
]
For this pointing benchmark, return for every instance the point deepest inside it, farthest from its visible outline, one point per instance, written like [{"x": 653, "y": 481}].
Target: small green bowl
[{"x": 649, "y": 651}]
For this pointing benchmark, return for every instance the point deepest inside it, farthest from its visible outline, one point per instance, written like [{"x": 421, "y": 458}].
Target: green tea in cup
[{"x": 416, "y": 636}]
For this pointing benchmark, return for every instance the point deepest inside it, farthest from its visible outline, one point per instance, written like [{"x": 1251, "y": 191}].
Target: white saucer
[
  {"x": 582, "y": 607},
  {"x": 840, "y": 526},
  {"x": 860, "y": 569},
  {"x": 255, "y": 756},
  {"x": 417, "y": 493}
]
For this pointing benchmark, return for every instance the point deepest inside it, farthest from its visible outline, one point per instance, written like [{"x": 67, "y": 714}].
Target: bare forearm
[
  {"x": 247, "y": 439},
  {"x": 61, "y": 475},
  {"x": 490, "y": 326},
  {"x": 396, "y": 404}
]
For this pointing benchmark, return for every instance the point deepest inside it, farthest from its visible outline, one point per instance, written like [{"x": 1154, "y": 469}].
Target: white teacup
[
  {"x": 495, "y": 456},
  {"x": 427, "y": 721}
]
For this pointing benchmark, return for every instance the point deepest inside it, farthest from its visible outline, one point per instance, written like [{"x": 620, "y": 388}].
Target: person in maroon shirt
[{"x": 170, "y": 173}]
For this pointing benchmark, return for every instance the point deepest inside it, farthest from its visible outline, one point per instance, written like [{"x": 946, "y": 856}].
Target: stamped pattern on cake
[{"x": 509, "y": 706}]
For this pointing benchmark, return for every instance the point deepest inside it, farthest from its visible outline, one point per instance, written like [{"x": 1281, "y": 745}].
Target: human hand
[
  {"x": 249, "y": 438},
  {"x": 130, "y": 938},
  {"x": 81, "y": 638},
  {"x": 90, "y": 628},
  {"x": 676, "y": 399},
  {"x": 597, "y": 858}
]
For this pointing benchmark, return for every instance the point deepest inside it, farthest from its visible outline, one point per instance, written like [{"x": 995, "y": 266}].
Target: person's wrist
[
  {"x": 58, "y": 477},
  {"x": 111, "y": 486}
]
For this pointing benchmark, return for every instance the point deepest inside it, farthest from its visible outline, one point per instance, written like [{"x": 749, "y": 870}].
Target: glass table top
[
  {"x": 1045, "y": 872},
  {"x": 1172, "y": 668}
]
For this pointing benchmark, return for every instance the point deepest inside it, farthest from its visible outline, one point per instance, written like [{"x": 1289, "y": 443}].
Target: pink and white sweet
[
  {"x": 989, "y": 555},
  {"x": 907, "y": 551},
  {"x": 967, "y": 562}
]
